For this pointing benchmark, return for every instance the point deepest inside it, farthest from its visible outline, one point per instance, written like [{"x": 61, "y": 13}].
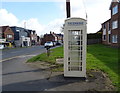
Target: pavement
[{"x": 17, "y": 75}]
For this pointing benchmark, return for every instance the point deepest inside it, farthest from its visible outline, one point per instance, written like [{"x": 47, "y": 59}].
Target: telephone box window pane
[
  {"x": 74, "y": 68},
  {"x": 72, "y": 47},
  {"x": 74, "y": 64},
  {"x": 74, "y": 43}
]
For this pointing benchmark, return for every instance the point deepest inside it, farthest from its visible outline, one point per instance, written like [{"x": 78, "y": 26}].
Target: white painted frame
[{"x": 75, "y": 27}]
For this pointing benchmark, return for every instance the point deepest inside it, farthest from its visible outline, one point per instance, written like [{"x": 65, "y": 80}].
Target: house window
[
  {"x": 115, "y": 10},
  {"x": 9, "y": 36},
  {"x": 109, "y": 38},
  {"x": 114, "y": 38},
  {"x": 104, "y": 37},
  {"x": 114, "y": 24}
]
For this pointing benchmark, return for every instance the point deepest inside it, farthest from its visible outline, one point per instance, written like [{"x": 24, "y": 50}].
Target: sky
[{"x": 49, "y": 15}]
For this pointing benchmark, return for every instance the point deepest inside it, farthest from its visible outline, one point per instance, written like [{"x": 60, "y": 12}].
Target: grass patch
[
  {"x": 105, "y": 59},
  {"x": 99, "y": 57},
  {"x": 54, "y": 54}
]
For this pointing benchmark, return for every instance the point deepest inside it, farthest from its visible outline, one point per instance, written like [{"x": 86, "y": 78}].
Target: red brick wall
[
  {"x": 106, "y": 27},
  {"x": 113, "y": 18},
  {"x": 9, "y": 31}
]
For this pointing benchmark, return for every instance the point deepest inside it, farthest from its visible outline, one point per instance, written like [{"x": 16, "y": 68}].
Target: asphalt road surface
[{"x": 17, "y": 75}]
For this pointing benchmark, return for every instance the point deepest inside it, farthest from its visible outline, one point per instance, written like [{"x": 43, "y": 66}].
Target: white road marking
[{"x": 16, "y": 57}]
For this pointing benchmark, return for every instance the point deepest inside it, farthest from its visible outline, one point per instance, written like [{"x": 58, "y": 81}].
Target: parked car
[
  {"x": 48, "y": 44},
  {"x": 1, "y": 46},
  {"x": 58, "y": 43}
]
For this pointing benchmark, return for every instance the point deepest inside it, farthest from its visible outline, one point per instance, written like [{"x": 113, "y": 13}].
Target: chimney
[{"x": 68, "y": 8}]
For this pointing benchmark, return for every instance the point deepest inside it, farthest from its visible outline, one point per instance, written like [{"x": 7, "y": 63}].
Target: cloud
[
  {"x": 55, "y": 26},
  {"x": 7, "y": 18},
  {"x": 10, "y": 19},
  {"x": 33, "y": 24},
  {"x": 97, "y": 12}
]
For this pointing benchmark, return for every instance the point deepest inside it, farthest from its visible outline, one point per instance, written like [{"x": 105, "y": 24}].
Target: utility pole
[{"x": 68, "y": 8}]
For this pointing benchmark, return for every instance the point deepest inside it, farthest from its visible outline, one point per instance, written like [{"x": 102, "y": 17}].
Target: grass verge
[{"x": 99, "y": 57}]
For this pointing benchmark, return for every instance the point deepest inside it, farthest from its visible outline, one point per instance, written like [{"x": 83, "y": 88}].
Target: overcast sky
[{"x": 49, "y": 15}]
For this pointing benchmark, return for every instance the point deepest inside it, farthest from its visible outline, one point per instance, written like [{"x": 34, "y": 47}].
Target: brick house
[
  {"x": 60, "y": 38},
  {"x": 33, "y": 37},
  {"x": 7, "y": 33},
  {"x": 52, "y": 37},
  {"x": 111, "y": 27},
  {"x": 38, "y": 40},
  {"x": 49, "y": 37}
]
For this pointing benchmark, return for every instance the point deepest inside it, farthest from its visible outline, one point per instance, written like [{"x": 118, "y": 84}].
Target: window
[
  {"x": 115, "y": 10},
  {"x": 9, "y": 36},
  {"x": 104, "y": 37},
  {"x": 114, "y": 24},
  {"x": 114, "y": 38},
  {"x": 109, "y": 38},
  {"x": 17, "y": 30}
]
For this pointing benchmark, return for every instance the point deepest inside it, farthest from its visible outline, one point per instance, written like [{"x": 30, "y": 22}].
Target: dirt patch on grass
[{"x": 95, "y": 81}]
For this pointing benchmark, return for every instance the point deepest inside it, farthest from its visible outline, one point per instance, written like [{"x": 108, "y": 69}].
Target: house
[
  {"x": 111, "y": 27},
  {"x": 6, "y": 36},
  {"x": 60, "y": 38},
  {"x": 33, "y": 36},
  {"x": 52, "y": 37},
  {"x": 38, "y": 40},
  {"x": 49, "y": 37},
  {"x": 21, "y": 37}
]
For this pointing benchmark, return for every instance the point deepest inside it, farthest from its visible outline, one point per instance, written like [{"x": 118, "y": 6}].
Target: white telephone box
[{"x": 75, "y": 47}]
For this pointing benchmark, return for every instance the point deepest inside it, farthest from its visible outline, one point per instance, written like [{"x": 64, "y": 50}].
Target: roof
[
  {"x": 113, "y": 1},
  {"x": 3, "y": 28},
  {"x": 75, "y": 18},
  {"x": 106, "y": 21}
]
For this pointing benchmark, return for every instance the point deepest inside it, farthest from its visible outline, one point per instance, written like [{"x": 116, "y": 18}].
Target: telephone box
[{"x": 75, "y": 47}]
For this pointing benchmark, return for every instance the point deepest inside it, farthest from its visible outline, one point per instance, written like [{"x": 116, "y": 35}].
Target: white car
[
  {"x": 1, "y": 46},
  {"x": 48, "y": 44}
]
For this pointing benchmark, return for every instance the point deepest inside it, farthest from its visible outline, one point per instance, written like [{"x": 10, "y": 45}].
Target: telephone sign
[
  {"x": 75, "y": 47},
  {"x": 75, "y": 23}
]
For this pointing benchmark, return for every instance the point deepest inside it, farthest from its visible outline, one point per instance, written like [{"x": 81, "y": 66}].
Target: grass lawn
[{"x": 99, "y": 57}]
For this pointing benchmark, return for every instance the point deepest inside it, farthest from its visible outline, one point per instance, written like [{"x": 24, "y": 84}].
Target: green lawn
[
  {"x": 98, "y": 57},
  {"x": 54, "y": 54}
]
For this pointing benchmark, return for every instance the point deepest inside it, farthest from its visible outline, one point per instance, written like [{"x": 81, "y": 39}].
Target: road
[
  {"x": 9, "y": 53},
  {"x": 17, "y": 75}
]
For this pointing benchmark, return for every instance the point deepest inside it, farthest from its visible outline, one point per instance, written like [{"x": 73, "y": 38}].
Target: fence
[{"x": 94, "y": 41}]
